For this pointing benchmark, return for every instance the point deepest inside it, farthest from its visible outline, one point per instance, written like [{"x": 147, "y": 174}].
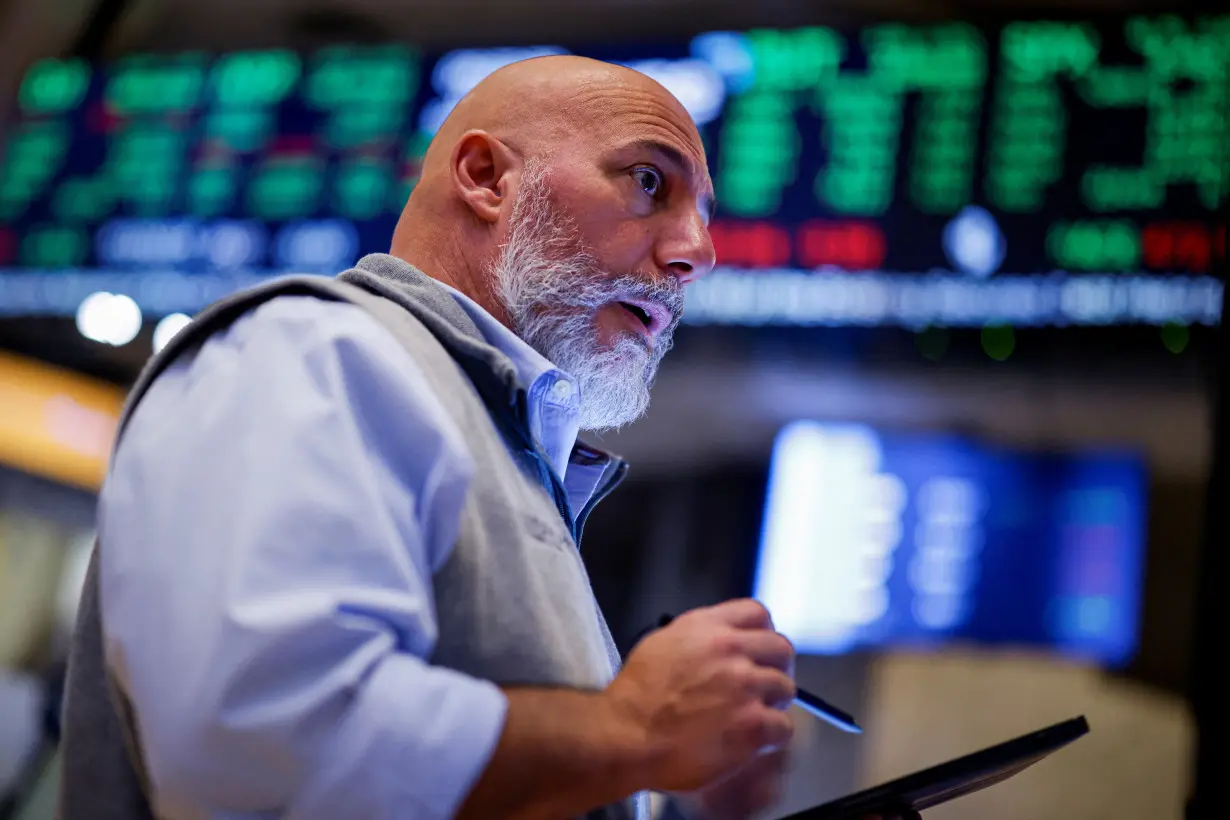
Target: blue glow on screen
[{"x": 872, "y": 540}]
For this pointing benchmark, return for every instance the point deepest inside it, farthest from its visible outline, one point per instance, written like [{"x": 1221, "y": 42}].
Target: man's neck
[{"x": 448, "y": 264}]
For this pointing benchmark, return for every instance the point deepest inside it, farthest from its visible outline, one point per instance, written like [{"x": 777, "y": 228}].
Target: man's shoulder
[
  {"x": 285, "y": 333},
  {"x": 307, "y": 316},
  {"x": 312, "y": 325},
  {"x": 289, "y": 351}
]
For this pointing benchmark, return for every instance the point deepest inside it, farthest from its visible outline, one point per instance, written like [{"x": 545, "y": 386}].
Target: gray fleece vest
[{"x": 514, "y": 603}]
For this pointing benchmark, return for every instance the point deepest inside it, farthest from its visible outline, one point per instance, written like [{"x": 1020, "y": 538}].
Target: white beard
[{"x": 552, "y": 289}]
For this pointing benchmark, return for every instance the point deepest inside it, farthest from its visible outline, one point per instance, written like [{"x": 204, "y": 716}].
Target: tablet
[{"x": 950, "y": 780}]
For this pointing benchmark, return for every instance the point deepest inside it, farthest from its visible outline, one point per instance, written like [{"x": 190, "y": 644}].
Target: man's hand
[{"x": 703, "y": 694}]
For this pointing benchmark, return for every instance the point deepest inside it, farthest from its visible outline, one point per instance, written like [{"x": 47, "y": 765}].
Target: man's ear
[{"x": 480, "y": 171}]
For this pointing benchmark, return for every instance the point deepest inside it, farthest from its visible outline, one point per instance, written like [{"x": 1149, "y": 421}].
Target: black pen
[{"x": 812, "y": 704}]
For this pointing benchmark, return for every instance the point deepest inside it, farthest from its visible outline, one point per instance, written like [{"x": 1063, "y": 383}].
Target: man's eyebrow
[
  {"x": 672, "y": 154},
  {"x": 677, "y": 158}
]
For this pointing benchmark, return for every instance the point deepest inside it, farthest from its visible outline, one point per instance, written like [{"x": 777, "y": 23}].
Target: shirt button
[{"x": 562, "y": 390}]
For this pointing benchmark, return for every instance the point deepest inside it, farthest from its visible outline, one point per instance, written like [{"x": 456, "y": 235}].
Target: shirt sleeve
[{"x": 269, "y": 531}]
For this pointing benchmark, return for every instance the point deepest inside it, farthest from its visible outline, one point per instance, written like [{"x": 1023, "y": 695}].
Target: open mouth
[
  {"x": 653, "y": 316},
  {"x": 639, "y": 312}
]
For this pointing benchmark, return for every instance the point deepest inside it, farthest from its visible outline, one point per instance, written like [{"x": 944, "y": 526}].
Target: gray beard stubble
[{"x": 552, "y": 288}]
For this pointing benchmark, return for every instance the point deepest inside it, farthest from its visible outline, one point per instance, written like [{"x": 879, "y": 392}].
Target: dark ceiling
[{"x": 177, "y": 24}]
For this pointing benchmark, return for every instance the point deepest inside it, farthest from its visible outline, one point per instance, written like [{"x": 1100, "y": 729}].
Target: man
[{"x": 337, "y": 573}]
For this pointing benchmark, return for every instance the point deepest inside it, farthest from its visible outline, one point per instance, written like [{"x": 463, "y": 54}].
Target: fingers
[
  {"x": 773, "y": 687},
  {"x": 743, "y": 613},
  {"x": 756, "y": 636},
  {"x": 774, "y": 731},
  {"x": 765, "y": 648}
]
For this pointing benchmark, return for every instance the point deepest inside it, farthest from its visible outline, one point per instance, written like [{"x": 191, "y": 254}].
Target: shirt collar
[{"x": 553, "y": 399}]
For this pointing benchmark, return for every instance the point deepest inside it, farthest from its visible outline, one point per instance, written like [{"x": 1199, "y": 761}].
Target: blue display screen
[{"x": 876, "y": 540}]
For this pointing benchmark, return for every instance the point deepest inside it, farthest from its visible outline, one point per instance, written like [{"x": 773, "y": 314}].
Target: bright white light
[
  {"x": 730, "y": 55},
  {"x": 168, "y": 328},
  {"x": 459, "y": 71},
  {"x": 695, "y": 83},
  {"x": 109, "y": 318},
  {"x": 826, "y": 554},
  {"x": 974, "y": 243}
]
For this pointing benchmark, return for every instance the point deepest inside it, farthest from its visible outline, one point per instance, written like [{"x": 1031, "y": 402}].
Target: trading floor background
[{"x": 945, "y": 405}]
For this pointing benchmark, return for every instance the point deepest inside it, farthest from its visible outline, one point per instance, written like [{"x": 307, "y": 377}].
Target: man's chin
[
  {"x": 614, "y": 398},
  {"x": 613, "y": 371},
  {"x": 620, "y": 341}
]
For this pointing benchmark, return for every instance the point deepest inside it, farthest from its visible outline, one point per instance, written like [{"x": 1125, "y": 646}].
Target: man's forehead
[
  {"x": 635, "y": 109},
  {"x": 569, "y": 104},
  {"x": 641, "y": 116}
]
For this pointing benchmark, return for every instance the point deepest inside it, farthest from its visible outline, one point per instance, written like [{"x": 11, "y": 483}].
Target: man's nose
[{"x": 687, "y": 251}]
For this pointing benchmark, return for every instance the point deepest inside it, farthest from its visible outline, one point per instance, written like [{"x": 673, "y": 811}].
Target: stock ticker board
[{"x": 1039, "y": 173}]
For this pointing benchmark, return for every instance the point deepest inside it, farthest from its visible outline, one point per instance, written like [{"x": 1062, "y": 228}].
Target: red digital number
[
  {"x": 1188, "y": 246},
  {"x": 750, "y": 244},
  {"x": 849, "y": 245}
]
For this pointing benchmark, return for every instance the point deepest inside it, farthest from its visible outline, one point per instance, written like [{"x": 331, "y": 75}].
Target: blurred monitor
[
  {"x": 1036, "y": 173},
  {"x": 878, "y": 540}
]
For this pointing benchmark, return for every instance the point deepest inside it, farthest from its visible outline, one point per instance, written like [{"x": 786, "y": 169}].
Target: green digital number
[
  {"x": 1098, "y": 245},
  {"x": 1183, "y": 88},
  {"x": 148, "y": 84},
  {"x": 1028, "y": 131},
  {"x": 34, "y": 155},
  {"x": 240, "y": 129},
  {"x": 54, "y": 86},
  {"x": 351, "y": 75},
  {"x": 285, "y": 189},
  {"x": 211, "y": 191},
  {"x": 53, "y": 246},
  {"x": 255, "y": 78},
  {"x": 362, "y": 188},
  {"x": 83, "y": 199}
]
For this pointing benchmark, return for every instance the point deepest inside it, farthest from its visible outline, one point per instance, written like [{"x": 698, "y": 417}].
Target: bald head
[
  {"x": 585, "y": 166},
  {"x": 546, "y": 102}
]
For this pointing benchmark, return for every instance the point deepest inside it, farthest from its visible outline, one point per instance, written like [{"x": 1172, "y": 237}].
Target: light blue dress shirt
[{"x": 295, "y": 471}]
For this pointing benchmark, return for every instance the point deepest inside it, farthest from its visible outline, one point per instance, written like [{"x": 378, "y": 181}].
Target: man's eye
[{"x": 650, "y": 180}]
